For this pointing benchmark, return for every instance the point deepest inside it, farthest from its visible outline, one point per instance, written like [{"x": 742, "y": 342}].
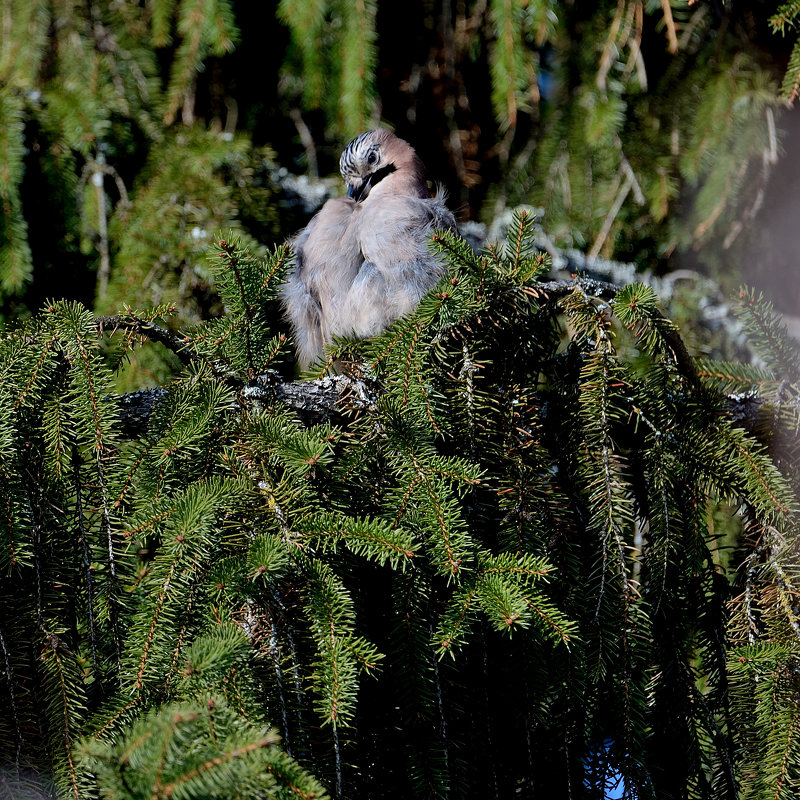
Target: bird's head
[{"x": 372, "y": 157}]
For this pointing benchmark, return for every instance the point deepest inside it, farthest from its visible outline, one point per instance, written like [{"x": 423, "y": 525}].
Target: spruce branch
[
  {"x": 331, "y": 397},
  {"x": 604, "y": 290},
  {"x": 150, "y": 330}
]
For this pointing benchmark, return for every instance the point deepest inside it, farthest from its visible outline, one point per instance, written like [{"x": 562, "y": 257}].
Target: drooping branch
[
  {"x": 608, "y": 291},
  {"x": 334, "y": 397}
]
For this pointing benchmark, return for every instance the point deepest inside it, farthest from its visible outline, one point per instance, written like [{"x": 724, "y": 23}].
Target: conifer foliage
[
  {"x": 131, "y": 132},
  {"x": 493, "y": 567}
]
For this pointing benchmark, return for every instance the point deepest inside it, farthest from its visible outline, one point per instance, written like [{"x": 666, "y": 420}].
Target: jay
[{"x": 364, "y": 260}]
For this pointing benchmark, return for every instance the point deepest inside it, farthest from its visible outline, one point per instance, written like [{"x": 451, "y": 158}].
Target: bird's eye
[{"x": 372, "y": 157}]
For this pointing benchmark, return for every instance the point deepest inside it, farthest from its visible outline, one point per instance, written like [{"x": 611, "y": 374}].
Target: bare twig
[
  {"x": 672, "y": 36},
  {"x": 630, "y": 183},
  {"x": 155, "y": 333},
  {"x": 308, "y": 142},
  {"x": 104, "y": 271}
]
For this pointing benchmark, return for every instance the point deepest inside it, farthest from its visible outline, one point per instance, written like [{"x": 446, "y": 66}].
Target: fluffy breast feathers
[{"x": 362, "y": 264}]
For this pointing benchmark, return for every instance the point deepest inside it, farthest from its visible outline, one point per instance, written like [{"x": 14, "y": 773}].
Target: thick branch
[
  {"x": 332, "y": 398},
  {"x": 135, "y": 410},
  {"x": 592, "y": 286},
  {"x": 318, "y": 401},
  {"x": 324, "y": 400}
]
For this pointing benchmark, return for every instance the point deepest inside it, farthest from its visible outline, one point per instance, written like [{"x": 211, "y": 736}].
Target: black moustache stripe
[
  {"x": 374, "y": 179},
  {"x": 380, "y": 174}
]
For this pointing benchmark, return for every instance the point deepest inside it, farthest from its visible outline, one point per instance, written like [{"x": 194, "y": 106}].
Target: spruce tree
[{"x": 520, "y": 543}]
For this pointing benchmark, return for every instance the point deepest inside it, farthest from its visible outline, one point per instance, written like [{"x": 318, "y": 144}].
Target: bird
[{"x": 364, "y": 260}]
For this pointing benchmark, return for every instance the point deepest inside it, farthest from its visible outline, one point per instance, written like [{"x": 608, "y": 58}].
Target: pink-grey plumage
[{"x": 364, "y": 260}]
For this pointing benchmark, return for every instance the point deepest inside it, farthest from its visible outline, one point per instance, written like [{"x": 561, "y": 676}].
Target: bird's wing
[
  {"x": 399, "y": 267},
  {"x": 327, "y": 259}
]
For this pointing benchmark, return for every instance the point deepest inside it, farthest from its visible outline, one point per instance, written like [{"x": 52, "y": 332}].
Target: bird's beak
[{"x": 358, "y": 193}]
